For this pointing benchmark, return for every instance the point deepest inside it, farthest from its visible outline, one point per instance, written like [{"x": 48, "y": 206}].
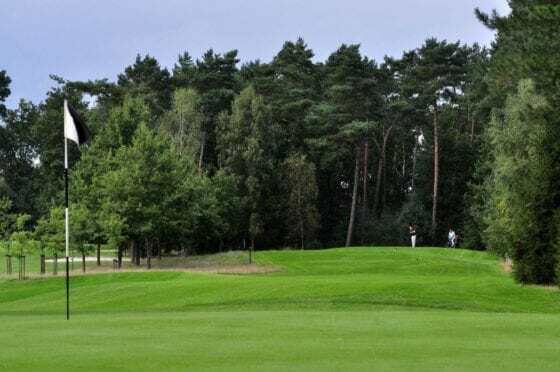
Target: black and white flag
[
  {"x": 74, "y": 127},
  {"x": 74, "y": 130}
]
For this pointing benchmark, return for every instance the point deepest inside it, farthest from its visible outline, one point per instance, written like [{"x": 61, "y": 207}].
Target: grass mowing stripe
[{"x": 283, "y": 340}]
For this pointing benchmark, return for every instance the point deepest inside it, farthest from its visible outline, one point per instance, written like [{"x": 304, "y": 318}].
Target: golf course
[
  {"x": 341, "y": 309},
  {"x": 280, "y": 186}
]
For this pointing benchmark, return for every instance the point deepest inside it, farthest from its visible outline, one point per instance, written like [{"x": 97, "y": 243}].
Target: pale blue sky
[{"x": 93, "y": 39}]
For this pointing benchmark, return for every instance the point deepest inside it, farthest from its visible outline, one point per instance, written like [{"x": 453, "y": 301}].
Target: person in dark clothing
[{"x": 412, "y": 231}]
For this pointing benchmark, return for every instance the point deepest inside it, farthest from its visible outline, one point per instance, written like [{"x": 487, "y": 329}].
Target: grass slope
[{"x": 340, "y": 309}]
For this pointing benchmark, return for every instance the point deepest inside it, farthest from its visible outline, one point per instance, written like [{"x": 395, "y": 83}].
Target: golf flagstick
[
  {"x": 67, "y": 232},
  {"x": 77, "y": 131}
]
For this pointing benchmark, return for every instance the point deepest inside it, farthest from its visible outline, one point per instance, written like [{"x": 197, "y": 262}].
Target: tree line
[{"x": 213, "y": 155}]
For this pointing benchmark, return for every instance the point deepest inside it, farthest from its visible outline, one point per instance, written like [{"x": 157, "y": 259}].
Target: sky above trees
[{"x": 96, "y": 39}]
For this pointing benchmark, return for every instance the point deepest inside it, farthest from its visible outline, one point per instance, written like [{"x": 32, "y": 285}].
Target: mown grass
[{"x": 340, "y": 309}]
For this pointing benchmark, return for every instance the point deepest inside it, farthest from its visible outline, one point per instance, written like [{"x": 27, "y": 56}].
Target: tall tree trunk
[
  {"x": 202, "y": 145},
  {"x": 148, "y": 254},
  {"x": 55, "y": 264},
  {"x": 300, "y": 212},
  {"x": 378, "y": 184},
  {"x": 8, "y": 264},
  {"x": 380, "y": 168},
  {"x": 251, "y": 249},
  {"x": 181, "y": 131},
  {"x": 301, "y": 233},
  {"x": 136, "y": 253},
  {"x": 472, "y": 130},
  {"x": 98, "y": 254},
  {"x": 365, "y": 172},
  {"x": 132, "y": 249},
  {"x": 414, "y": 156},
  {"x": 354, "y": 199},
  {"x": 83, "y": 262},
  {"x": 436, "y": 174},
  {"x": 43, "y": 264},
  {"x": 119, "y": 256},
  {"x": 383, "y": 183},
  {"x": 364, "y": 209},
  {"x": 403, "y": 169}
]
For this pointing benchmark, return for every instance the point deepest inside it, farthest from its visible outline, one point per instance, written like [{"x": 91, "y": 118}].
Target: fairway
[{"x": 338, "y": 309}]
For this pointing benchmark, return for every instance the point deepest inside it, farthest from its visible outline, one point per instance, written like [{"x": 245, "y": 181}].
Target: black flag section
[{"x": 75, "y": 128}]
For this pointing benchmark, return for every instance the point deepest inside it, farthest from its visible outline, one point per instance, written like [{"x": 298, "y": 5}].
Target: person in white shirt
[
  {"x": 451, "y": 238},
  {"x": 412, "y": 231}
]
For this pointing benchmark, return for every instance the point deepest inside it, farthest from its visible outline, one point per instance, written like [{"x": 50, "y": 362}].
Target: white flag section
[
  {"x": 70, "y": 130},
  {"x": 74, "y": 128}
]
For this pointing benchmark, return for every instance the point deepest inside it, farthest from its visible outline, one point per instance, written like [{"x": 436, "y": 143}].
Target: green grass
[{"x": 342, "y": 309}]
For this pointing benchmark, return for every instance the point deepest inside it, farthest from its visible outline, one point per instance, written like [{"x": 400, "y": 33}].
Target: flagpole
[
  {"x": 66, "y": 225},
  {"x": 77, "y": 131}
]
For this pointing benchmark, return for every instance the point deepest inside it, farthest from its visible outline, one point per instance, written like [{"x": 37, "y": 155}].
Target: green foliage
[
  {"x": 50, "y": 231},
  {"x": 183, "y": 123},
  {"x": 302, "y": 217},
  {"x": 48, "y": 141},
  {"x": 7, "y": 219},
  {"x": 338, "y": 127},
  {"x": 152, "y": 192},
  {"x": 4, "y": 91},
  {"x": 17, "y": 156},
  {"x": 196, "y": 159},
  {"x": 246, "y": 146},
  {"x": 434, "y": 73},
  {"x": 527, "y": 47},
  {"x": 183, "y": 71},
  {"x": 414, "y": 212},
  {"x": 112, "y": 226},
  {"x": 386, "y": 229},
  {"x": 122, "y": 123},
  {"x": 146, "y": 80},
  {"x": 82, "y": 228},
  {"x": 517, "y": 217},
  {"x": 215, "y": 81},
  {"x": 523, "y": 133},
  {"x": 21, "y": 238},
  {"x": 290, "y": 85},
  {"x": 222, "y": 151},
  {"x": 351, "y": 84}
]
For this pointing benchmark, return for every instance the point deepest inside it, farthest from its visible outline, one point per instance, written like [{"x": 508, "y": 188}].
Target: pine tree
[
  {"x": 215, "y": 81},
  {"x": 147, "y": 80},
  {"x": 433, "y": 76},
  {"x": 337, "y": 138},
  {"x": 4, "y": 91}
]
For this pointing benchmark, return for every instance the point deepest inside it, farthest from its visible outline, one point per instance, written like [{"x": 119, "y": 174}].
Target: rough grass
[
  {"x": 232, "y": 262},
  {"x": 341, "y": 309}
]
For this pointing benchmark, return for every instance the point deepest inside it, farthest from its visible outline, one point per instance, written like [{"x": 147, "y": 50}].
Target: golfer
[
  {"x": 451, "y": 238},
  {"x": 412, "y": 231}
]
